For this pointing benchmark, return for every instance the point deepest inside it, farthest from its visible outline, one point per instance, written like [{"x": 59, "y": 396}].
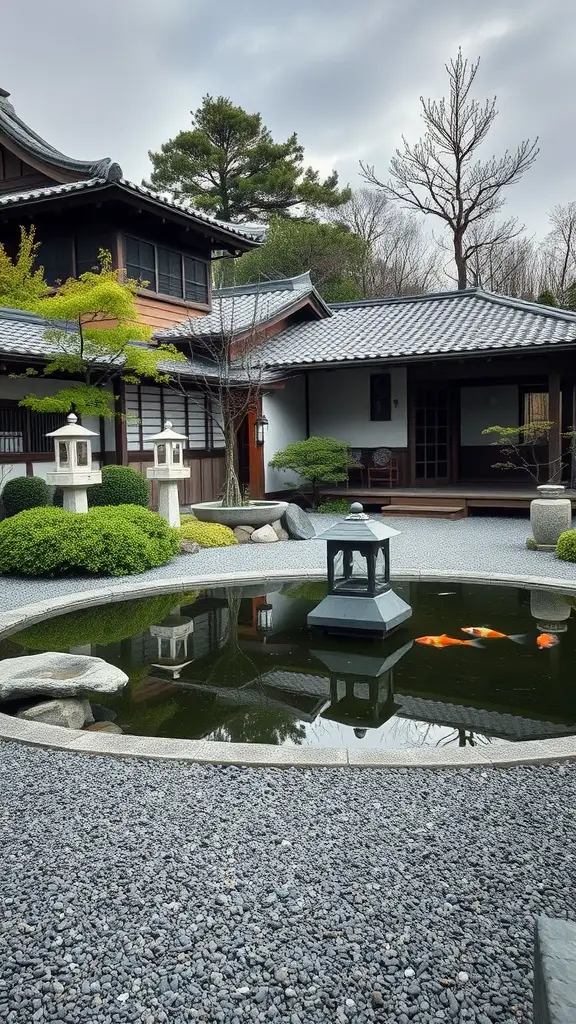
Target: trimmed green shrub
[
  {"x": 105, "y": 625},
  {"x": 316, "y": 460},
  {"x": 25, "y": 492},
  {"x": 207, "y": 535},
  {"x": 335, "y": 506},
  {"x": 104, "y": 542},
  {"x": 120, "y": 485},
  {"x": 566, "y": 546}
]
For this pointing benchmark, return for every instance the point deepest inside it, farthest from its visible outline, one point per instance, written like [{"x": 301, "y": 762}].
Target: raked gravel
[
  {"x": 150, "y": 892},
  {"x": 479, "y": 544}
]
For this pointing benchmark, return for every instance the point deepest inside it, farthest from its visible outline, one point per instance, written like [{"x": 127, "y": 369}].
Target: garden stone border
[{"x": 265, "y": 755}]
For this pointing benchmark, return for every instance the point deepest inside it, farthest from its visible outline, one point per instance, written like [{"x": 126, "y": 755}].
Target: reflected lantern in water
[
  {"x": 172, "y": 643},
  {"x": 360, "y": 598}
]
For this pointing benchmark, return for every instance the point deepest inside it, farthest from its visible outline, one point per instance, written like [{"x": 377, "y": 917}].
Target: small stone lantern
[
  {"x": 363, "y": 602},
  {"x": 73, "y": 455},
  {"x": 167, "y": 470},
  {"x": 172, "y": 643}
]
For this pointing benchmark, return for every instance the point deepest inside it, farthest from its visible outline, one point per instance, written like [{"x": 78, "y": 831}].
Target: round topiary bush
[
  {"x": 566, "y": 546},
  {"x": 101, "y": 542},
  {"x": 207, "y": 535},
  {"x": 25, "y": 492},
  {"x": 120, "y": 485}
]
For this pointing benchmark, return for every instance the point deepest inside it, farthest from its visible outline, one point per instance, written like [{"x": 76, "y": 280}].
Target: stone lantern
[
  {"x": 359, "y": 602},
  {"x": 73, "y": 455},
  {"x": 172, "y": 643},
  {"x": 167, "y": 470}
]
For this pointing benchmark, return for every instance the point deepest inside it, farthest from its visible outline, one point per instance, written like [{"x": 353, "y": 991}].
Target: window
[
  {"x": 22, "y": 430},
  {"x": 167, "y": 271},
  {"x": 195, "y": 280},
  {"x": 535, "y": 407},
  {"x": 140, "y": 263},
  {"x": 55, "y": 256},
  {"x": 148, "y": 407},
  {"x": 380, "y": 397},
  {"x": 87, "y": 249}
]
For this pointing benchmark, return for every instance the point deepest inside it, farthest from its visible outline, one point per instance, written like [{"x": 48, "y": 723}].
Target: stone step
[{"x": 426, "y": 511}]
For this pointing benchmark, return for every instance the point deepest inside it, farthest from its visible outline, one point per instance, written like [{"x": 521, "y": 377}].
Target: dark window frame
[
  {"x": 380, "y": 398},
  {"x": 28, "y": 424},
  {"x": 186, "y": 260}
]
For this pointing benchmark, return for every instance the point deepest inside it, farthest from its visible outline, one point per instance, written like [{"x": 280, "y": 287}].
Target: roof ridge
[
  {"x": 284, "y": 284},
  {"x": 390, "y": 299},
  {"x": 530, "y": 306}
]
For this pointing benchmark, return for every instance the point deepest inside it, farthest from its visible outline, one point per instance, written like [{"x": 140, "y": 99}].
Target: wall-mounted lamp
[
  {"x": 395, "y": 403},
  {"x": 264, "y": 618},
  {"x": 260, "y": 430}
]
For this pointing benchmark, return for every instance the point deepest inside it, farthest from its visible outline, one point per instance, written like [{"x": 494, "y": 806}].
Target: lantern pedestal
[
  {"x": 74, "y": 473},
  {"x": 167, "y": 470},
  {"x": 360, "y": 598}
]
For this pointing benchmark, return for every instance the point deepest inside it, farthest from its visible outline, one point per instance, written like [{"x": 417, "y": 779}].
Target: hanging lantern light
[
  {"x": 264, "y": 618},
  {"x": 260, "y": 430}
]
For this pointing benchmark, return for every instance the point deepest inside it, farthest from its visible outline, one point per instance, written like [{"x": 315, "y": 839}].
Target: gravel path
[
  {"x": 147, "y": 891},
  {"x": 482, "y": 544}
]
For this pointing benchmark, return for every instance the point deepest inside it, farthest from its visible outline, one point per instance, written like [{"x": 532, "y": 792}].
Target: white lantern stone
[
  {"x": 73, "y": 457},
  {"x": 167, "y": 470}
]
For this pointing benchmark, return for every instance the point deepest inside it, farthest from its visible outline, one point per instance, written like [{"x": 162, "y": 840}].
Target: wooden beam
[
  {"x": 120, "y": 424},
  {"x": 255, "y": 455},
  {"x": 555, "y": 439}
]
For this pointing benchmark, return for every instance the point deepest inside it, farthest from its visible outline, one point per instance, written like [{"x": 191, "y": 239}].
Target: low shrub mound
[
  {"x": 120, "y": 485},
  {"x": 25, "y": 492},
  {"x": 117, "y": 541},
  {"x": 334, "y": 506},
  {"x": 566, "y": 546},
  {"x": 207, "y": 535}
]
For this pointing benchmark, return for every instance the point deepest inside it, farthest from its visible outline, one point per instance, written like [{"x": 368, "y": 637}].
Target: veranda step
[{"x": 427, "y": 511}]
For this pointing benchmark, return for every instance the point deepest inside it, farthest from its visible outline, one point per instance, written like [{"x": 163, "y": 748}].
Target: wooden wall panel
[
  {"x": 204, "y": 484},
  {"x": 161, "y": 313}
]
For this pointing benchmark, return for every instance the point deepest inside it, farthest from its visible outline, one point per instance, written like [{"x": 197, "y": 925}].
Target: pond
[{"x": 241, "y": 665}]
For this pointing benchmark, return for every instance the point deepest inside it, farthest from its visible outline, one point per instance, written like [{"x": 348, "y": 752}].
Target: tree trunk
[
  {"x": 460, "y": 261},
  {"x": 231, "y": 493}
]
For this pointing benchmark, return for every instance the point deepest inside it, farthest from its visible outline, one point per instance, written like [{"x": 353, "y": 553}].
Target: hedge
[
  {"x": 207, "y": 535},
  {"x": 116, "y": 541},
  {"x": 25, "y": 492}
]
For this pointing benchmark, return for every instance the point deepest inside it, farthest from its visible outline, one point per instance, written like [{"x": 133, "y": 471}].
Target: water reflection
[{"x": 237, "y": 665}]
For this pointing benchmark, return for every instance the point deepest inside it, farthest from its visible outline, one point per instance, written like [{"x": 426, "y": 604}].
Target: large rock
[
  {"x": 70, "y": 714},
  {"x": 102, "y": 714},
  {"x": 279, "y": 530},
  {"x": 189, "y": 547},
  {"x": 58, "y": 675},
  {"x": 243, "y": 534},
  {"x": 297, "y": 523},
  {"x": 264, "y": 535}
]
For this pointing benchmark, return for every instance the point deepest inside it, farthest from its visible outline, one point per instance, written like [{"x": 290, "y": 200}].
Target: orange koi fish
[
  {"x": 493, "y": 634},
  {"x": 446, "y": 641},
  {"x": 546, "y": 640}
]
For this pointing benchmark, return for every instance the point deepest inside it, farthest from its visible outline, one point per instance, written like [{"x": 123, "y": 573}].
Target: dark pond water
[{"x": 241, "y": 665}]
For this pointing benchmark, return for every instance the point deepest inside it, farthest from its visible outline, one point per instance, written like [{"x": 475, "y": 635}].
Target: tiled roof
[
  {"x": 239, "y": 309},
  {"x": 93, "y": 184},
  {"x": 465, "y": 322},
  {"x": 499, "y": 724}
]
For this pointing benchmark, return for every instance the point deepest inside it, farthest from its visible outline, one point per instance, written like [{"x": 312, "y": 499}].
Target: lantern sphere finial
[
  {"x": 72, "y": 418},
  {"x": 357, "y": 511},
  {"x": 168, "y": 425}
]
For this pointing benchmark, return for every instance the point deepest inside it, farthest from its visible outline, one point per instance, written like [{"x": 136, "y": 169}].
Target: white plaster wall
[
  {"x": 340, "y": 407},
  {"x": 285, "y": 410},
  {"x": 486, "y": 406}
]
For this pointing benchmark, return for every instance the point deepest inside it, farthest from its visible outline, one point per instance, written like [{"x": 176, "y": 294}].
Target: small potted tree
[{"x": 551, "y": 511}]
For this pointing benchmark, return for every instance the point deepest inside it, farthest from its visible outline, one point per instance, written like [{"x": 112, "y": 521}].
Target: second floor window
[{"x": 167, "y": 271}]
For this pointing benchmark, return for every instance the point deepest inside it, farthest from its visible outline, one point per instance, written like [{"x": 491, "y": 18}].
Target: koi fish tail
[
  {"x": 518, "y": 638},
  {"x": 474, "y": 643}
]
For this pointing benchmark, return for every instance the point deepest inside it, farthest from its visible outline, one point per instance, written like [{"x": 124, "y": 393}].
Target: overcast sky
[{"x": 119, "y": 77}]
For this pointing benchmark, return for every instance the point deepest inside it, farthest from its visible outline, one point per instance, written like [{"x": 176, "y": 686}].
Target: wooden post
[
  {"x": 573, "y": 452},
  {"x": 255, "y": 455},
  {"x": 555, "y": 439},
  {"x": 120, "y": 424}
]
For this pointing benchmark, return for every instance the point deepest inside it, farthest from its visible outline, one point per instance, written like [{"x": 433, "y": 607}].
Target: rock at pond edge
[
  {"x": 68, "y": 714},
  {"x": 58, "y": 675},
  {"x": 264, "y": 535},
  {"x": 297, "y": 523}
]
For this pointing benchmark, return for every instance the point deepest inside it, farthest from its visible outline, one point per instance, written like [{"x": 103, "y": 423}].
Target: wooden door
[{"x": 432, "y": 435}]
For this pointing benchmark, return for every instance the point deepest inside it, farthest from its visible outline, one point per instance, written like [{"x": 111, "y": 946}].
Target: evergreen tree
[
  {"x": 228, "y": 164},
  {"x": 546, "y": 298}
]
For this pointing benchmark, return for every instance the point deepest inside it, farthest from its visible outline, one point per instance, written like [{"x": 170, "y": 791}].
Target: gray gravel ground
[
  {"x": 148, "y": 891},
  {"x": 482, "y": 544}
]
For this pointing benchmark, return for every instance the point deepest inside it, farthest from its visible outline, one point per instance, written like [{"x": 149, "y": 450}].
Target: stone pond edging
[{"x": 264, "y": 755}]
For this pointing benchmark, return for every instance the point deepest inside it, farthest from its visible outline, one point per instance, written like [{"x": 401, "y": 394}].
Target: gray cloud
[{"x": 121, "y": 77}]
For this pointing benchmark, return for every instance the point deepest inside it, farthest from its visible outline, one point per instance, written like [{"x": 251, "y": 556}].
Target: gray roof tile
[
  {"x": 92, "y": 184},
  {"x": 238, "y": 309},
  {"x": 462, "y": 322}
]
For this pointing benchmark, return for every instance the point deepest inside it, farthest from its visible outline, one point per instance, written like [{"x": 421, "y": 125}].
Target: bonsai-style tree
[
  {"x": 316, "y": 460},
  {"x": 96, "y": 338},
  {"x": 520, "y": 448}
]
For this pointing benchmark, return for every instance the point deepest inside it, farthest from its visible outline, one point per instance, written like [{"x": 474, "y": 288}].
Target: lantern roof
[
  {"x": 73, "y": 430},
  {"x": 168, "y": 434},
  {"x": 358, "y": 527}
]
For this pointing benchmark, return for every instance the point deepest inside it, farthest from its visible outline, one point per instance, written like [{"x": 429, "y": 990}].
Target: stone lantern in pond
[
  {"x": 167, "y": 470},
  {"x": 73, "y": 456},
  {"x": 360, "y": 598}
]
